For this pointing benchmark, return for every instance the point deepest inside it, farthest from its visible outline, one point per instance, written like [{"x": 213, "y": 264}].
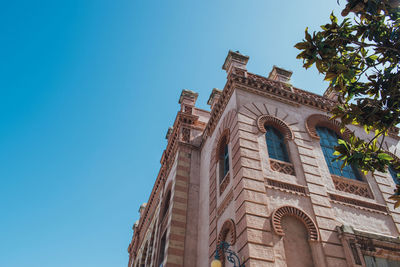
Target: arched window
[
  {"x": 223, "y": 160},
  {"x": 393, "y": 173},
  {"x": 328, "y": 140},
  {"x": 276, "y": 144}
]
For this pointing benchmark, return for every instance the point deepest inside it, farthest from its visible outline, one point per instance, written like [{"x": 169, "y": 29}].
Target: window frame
[
  {"x": 328, "y": 157},
  {"x": 272, "y": 145}
]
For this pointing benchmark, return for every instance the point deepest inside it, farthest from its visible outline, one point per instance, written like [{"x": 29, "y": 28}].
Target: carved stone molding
[
  {"x": 324, "y": 121},
  {"x": 287, "y": 187},
  {"x": 352, "y": 186},
  {"x": 279, "y": 213},
  {"x": 281, "y": 166},
  {"x": 279, "y": 124},
  {"x": 357, "y": 203}
]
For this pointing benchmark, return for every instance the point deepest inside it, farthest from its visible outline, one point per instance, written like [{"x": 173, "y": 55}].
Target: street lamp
[{"x": 231, "y": 256}]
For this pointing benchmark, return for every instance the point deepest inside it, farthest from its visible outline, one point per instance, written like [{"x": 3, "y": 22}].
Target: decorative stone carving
[
  {"x": 235, "y": 60},
  {"x": 280, "y": 125},
  {"x": 286, "y": 186},
  {"x": 279, "y": 213},
  {"x": 185, "y": 135},
  {"x": 281, "y": 166},
  {"x": 352, "y": 186}
]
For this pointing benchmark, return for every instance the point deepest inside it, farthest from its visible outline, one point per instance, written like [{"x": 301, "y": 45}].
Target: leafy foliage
[{"x": 360, "y": 57}]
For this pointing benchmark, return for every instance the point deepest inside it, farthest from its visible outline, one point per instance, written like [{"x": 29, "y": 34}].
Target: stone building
[{"x": 256, "y": 172}]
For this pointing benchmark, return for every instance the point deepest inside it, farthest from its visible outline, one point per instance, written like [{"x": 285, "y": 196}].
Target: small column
[
  {"x": 187, "y": 100},
  {"x": 169, "y": 132},
  {"x": 214, "y": 97},
  {"x": 142, "y": 208},
  {"x": 280, "y": 75},
  {"x": 235, "y": 60}
]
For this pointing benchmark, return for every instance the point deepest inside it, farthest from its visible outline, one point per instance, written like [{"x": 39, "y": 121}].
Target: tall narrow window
[
  {"x": 393, "y": 173},
  {"x": 226, "y": 160},
  {"x": 223, "y": 161},
  {"x": 328, "y": 140},
  {"x": 276, "y": 144}
]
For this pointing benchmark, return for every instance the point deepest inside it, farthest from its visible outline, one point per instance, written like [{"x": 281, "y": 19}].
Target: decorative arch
[
  {"x": 222, "y": 140},
  {"x": 227, "y": 228},
  {"x": 223, "y": 133},
  {"x": 255, "y": 111},
  {"x": 279, "y": 213},
  {"x": 324, "y": 121},
  {"x": 279, "y": 124}
]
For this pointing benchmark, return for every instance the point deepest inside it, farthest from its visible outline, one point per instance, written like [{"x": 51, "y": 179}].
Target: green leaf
[
  {"x": 329, "y": 76},
  {"x": 302, "y": 45},
  {"x": 333, "y": 18},
  {"x": 307, "y": 35},
  {"x": 384, "y": 156}
]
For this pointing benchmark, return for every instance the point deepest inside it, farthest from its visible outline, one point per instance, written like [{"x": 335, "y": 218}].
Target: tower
[{"x": 256, "y": 172}]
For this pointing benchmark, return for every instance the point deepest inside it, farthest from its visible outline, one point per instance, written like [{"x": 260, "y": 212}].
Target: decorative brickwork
[
  {"x": 185, "y": 135},
  {"x": 279, "y": 213},
  {"x": 358, "y": 203},
  {"x": 280, "y": 125},
  {"x": 227, "y": 234},
  {"x": 222, "y": 141},
  {"x": 223, "y": 131},
  {"x": 228, "y": 228},
  {"x": 281, "y": 166},
  {"x": 352, "y": 186},
  {"x": 286, "y": 186},
  {"x": 324, "y": 121},
  {"x": 266, "y": 87}
]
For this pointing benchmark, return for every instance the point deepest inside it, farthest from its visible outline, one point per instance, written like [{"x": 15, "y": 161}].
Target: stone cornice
[{"x": 241, "y": 79}]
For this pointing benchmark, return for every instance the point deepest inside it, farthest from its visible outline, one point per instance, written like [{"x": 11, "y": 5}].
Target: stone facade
[{"x": 218, "y": 183}]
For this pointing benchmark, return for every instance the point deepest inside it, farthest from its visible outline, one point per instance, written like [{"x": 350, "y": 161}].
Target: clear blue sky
[{"x": 87, "y": 92}]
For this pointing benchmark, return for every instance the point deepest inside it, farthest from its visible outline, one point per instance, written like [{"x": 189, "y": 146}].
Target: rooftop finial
[{"x": 235, "y": 59}]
